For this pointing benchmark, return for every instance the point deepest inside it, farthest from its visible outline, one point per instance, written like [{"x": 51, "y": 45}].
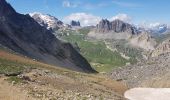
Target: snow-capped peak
[
  {"x": 155, "y": 28},
  {"x": 46, "y": 20}
]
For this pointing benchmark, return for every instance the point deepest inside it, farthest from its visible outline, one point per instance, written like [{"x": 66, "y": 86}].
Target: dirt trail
[{"x": 10, "y": 92}]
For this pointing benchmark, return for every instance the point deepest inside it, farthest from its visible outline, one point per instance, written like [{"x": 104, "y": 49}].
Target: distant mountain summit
[
  {"x": 24, "y": 35},
  {"x": 154, "y": 29},
  {"x": 48, "y": 21},
  {"x": 115, "y": 29},
  {"x": 75, "y": 23},
  {"x": 117, "y": 26}
]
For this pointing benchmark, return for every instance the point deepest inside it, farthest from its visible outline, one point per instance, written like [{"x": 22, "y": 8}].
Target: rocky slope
[
  {"x": 39, "y": 81},
  {"x": 23, "y": 34},
  {"x": 162, "y": 48},
  {"x": 144, "y": 40},
  {"x": 153, "y": 72},
  {"x": 48, "y": 21}
]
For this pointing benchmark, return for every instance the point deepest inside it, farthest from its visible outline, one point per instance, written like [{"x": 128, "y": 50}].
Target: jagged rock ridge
[{"x": 117, "y": 26}]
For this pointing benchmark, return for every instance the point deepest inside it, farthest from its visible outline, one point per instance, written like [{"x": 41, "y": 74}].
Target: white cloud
[
  {"x": 68, "y": 4},
  {"x": 84, "y": 18},
  {"x": 122, "y": 17},
  {"x": 89, "y": 19}
]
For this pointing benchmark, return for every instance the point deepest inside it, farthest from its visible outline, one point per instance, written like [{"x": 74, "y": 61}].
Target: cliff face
[
  {"x": 116, "y": 29},
  {"x": 103, "y": 26},
  {"x": 117, "y": 26},
  {"x": 23, "y": 34}
]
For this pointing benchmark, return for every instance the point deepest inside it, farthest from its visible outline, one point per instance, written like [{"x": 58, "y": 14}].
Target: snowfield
[{"x": 148, "y": 94}]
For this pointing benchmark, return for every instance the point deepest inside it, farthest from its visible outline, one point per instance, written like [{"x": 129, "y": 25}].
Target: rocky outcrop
[
  {"x": 48, "y": 21},
  {"x": 75, "y": 23},
  {"x": 162, "y": 48},
  {"x": 144, "y": 41},
  {"x": 116, "y": 29},
  {"x": 117, "y": 26},
  {"x": 24, "y": 35},
  {"x": 103, "y": 26}
]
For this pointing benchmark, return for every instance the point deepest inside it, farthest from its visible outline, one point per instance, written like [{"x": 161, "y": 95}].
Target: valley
[{"x": 46, "y": 56}]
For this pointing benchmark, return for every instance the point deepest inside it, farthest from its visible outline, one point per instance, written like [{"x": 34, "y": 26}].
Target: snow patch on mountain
[
  {"x": 47, "y": 20},
  {"x": 153, "y": 28}
]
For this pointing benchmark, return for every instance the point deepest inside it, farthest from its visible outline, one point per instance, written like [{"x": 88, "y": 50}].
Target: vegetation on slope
[
  {"x": 127, "y": 50},
  {"x": 96, "y": 52},
  {"x": 50, "y": 82}
]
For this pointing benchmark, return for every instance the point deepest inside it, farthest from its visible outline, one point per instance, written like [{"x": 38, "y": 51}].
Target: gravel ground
[{"x": 135, "y": 75}]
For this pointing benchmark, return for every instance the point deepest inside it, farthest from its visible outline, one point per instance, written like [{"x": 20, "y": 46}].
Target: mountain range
[
  {"x": 140, "y": 35},
  {"x": 104, "y": 25},
  {"x": 50, "y": 59},
  {"x": 154, "y": 29}
]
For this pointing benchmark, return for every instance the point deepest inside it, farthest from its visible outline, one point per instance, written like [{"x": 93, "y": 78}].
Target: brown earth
[{"x": 45, "y": 82}]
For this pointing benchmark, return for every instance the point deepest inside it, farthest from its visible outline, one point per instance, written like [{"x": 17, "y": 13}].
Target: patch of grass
[
  {"x": 10, "y": 67},
  {"x": 84, "y": 31},
  {"x": 103, "y": 67},
  {"x": 14, "y": 79}
]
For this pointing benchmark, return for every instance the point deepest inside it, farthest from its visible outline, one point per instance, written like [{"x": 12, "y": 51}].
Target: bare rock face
[
  {"x": 6, "y": 8},
  {"x": 116, "y": 29},
  {"x": 75, "y": 23},
  {"x": 24, "y": 35},
  {"x": 117, "y": 26},
  {"x": 103, "y": 26},
  {"x": 162, "y": 48}
]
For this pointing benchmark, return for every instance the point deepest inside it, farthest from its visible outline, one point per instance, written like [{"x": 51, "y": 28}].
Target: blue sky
[{"x": 138, "y": 11}]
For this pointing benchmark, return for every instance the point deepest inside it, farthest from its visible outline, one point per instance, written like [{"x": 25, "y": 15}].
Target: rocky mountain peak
[
  {"x": 117, "y": 26},
  {"x": 75, "y": 23},
  {"x": 104, "y": 26},
  {"x": 5, "y": 8}
]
